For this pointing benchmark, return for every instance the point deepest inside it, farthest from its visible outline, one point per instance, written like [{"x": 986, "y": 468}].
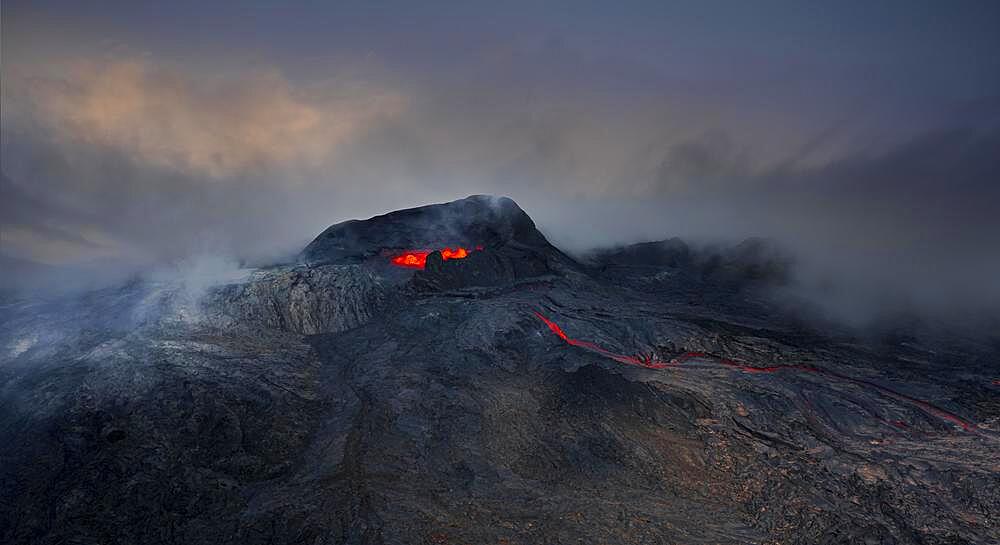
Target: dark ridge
[{"x": 478, "y": 220}]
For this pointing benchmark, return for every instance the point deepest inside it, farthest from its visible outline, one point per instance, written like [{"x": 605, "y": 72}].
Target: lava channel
[
  {"x": 417, "y": 259},
  {"x": 650, "y": 362}
]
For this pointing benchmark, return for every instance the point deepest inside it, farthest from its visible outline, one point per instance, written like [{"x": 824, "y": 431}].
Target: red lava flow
[
  {"x": 416, "y": 259},
  {"x": 650, "y": 362}
]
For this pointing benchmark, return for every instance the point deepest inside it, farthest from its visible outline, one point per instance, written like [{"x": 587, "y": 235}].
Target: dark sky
[{"x": 864, "y": 136}]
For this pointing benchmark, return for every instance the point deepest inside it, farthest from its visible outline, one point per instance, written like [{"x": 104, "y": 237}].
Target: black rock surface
[
  {"x": 479, "y": 220},
  {"x": 342, "y": 400}
]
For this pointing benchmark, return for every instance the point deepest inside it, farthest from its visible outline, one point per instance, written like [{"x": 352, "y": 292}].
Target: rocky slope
[{"x": 512, "y": 396}]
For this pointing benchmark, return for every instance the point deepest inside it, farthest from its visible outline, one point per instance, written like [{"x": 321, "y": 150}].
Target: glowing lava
[
  {"x": 650, "y": 362},
  {"x": 416, "y": 259}
]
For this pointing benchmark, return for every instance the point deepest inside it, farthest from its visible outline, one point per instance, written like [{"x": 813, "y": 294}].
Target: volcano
[{"x": 444, "y": 374}]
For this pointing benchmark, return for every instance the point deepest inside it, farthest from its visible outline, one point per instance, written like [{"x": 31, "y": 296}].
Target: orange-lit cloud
[{"x": 213, "y": 127}]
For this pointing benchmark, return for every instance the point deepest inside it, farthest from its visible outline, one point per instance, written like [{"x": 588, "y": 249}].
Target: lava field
[{"x": 445, "y": 375}]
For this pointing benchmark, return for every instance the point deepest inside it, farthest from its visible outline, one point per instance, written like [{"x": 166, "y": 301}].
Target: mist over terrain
[
  {"x": 875, "y": 168},
  {"x": 387, "y": 273}
]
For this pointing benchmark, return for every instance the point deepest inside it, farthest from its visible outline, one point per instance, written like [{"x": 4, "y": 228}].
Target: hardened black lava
[{"x": 487, "y": 389}]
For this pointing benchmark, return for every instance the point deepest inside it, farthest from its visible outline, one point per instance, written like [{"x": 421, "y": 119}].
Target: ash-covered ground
[{"x": 515, "y": 396}]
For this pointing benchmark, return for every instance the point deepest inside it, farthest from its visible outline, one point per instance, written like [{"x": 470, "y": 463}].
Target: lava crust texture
[{"x": 511, "y": 396}]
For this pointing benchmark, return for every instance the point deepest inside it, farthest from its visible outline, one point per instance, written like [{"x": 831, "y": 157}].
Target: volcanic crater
[{"x": 444, "y": 374}]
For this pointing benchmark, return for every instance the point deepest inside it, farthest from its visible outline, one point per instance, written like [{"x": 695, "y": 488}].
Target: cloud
[
  {"x": 141, "y": 161},
  {"x": 213, "y": 127}
]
